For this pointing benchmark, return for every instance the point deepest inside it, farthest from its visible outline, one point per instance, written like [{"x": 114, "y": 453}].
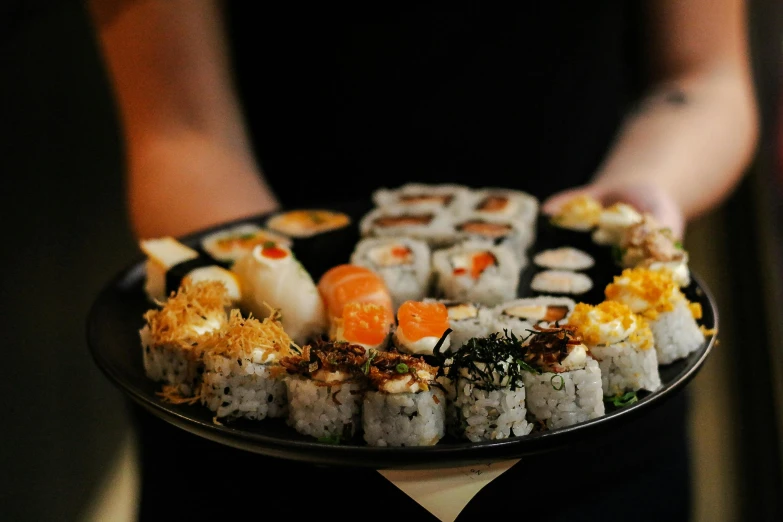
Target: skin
[{"x": 190, "y": 164}]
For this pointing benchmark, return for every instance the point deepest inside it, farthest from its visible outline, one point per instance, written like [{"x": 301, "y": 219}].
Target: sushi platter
[{"x": 432, "y": 326}]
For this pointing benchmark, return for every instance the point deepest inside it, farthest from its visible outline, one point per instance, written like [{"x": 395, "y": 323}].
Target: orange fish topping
[
  {"x": 345, "y": 284},
  {"x": 481, "y": 262},
  {"x": 365, "y": 323},
  {"x": 418, "y": 320}
]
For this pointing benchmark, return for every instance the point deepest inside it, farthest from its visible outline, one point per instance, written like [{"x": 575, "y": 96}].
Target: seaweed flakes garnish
[{"x": 493, "y": 362}]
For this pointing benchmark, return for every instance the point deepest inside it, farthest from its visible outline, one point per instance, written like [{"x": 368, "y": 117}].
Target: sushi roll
[
  {"x": 365, "y": 324},
  {"x": 169, "y": 262},
  {"x": 401, "y": 406},
  {"x": 649, "y": 245},
  {"x": 503, "y": 203},
  {"x": 474, "y": 271},
  {"x": 272, "y": 278},
  {"x": 566, "y": 387},
  {"x": 489, "y": 402},
  {"x": 432, "y": 225},
  {"x": 657, "y": 297},
  {"x": 623, "y": 345},
  {"x": 466, "y": 320},
  {"x": 299, "y": 224},
  {"x": 520, "y": 315},
  {"x": 402, "y": 262},
  {"x": 564, "y": 258},
  {"x": 172, "y": 335},
  {"x": 495, "y": 230},
  {"x": 325, "y": 384},
  {"x": 419, "y": 196},
  {"x": 242, "y": 375},
  {"x": 613, "y": 222},
  {"x": 563, "y": 282},
  {"x": 421, "y": 327},
  {"x": 346, "y": 284},
  {"x": 228, "y": 245}
]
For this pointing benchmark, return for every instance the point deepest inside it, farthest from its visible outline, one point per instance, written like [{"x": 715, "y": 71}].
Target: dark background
[{"x": 67, "y": 234}]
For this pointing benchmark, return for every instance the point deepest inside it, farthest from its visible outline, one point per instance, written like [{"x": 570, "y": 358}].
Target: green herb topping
[
  {"x": 370, "y": 356},
  {"x": 557, "y": 382},
  {"x": 330, "y": 439},
  {"x": 402, "y": 368},
  {"x": 621, "y": 400},
  {"x": 269, "y": 244}
]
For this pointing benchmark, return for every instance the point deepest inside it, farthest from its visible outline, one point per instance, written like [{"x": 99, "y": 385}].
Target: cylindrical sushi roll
[
  {"x": 657, "y": 297},
  {"x": 474, "y": 271},
  {"x": 495, "y": 230},
  {"x": 325, "y": 387},
  {"x": 421, "y": 327},
  {"x": 489, "y": 401},
  {"x": 568, "y": 389},
  {"x": 242, "y": 375},
  {"x": 503, "y": 203},
  {"x": 564, "y": 258},
  {"x": 345, "y": 284},
  {"x": 401, "y": 407},
  {"x": 365, "y": 324},
  {"x": 169, "y": 262},
  {"x": 466, "y": 320},
  {"x": 623, "y": 344},
  {"x": 272, "y": 278},
  {"x": 419, "y": 196},
  {"x": 172, "y": 335},
  {"x": 402, "y": 262},
  {"x": 562, "y": 282},
  {"x": 613, "y": 222},
  {"x": 520, "y": 315},
  {"x": 229, "y": 244},
  {"x": 649, "y": 245},
  {"x": 431, "y": 225}
]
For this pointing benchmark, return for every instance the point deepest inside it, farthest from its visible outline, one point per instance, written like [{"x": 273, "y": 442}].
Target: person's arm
[
  {"x": 689, "y": 143},
  {"x": 189, "y": 161}
]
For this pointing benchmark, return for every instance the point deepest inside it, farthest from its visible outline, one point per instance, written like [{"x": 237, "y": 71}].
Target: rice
[
  {"x": 404, "y": 419},
  {"x": 676, "y": 333},
  {"x": 490, "y": 414},
  {"x": 322, "y": 410},
  {"x": 625, "y": 367},
  {"x": 171, "y": 364}
]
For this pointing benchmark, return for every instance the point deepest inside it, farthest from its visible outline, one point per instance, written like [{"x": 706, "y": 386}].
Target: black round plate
[{"x": 113, "y": 336}]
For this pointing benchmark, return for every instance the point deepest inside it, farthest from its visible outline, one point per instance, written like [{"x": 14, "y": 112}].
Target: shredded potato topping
[
  {"x": 240, "y": 337},
  {"x": 656, "y": 288},
  {"x": 194, "y": 304}
]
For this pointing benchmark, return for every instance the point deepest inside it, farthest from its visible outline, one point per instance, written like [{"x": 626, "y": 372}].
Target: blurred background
[{"x": 66, "y": 447}]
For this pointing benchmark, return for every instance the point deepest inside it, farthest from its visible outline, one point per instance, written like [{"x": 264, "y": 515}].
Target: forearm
[{"x": 692, "y": 137}]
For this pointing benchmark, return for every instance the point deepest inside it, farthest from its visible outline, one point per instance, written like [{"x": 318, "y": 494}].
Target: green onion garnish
[
  {"x": 562, "y": 382},
  {"x": 366, "y": 366},
  {"x": 621, "y": 400},
  {"x": 333, "y": 439},
  {"x": 402, "y": 368},
  {"x": 678, "y": 245}
]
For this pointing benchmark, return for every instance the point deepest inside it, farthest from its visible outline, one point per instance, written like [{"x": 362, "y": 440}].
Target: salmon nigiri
[
  {"x": 365, "y": 324},
  {"x": 345, "y": 284},
  {"x": 420, "y": 327}
]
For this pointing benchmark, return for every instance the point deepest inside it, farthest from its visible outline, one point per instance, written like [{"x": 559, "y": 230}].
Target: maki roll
[
  {"x": 172, "y": 336},
  {"x": 563, "y": 282},
  {"x": 657, "y": 297},
  {"x": 421, "y": 327},
  {"x": 623, "y": 344},
  {"x": 520, "y": 315},
  {"x": 432, "y": 225},
  {"x": 474, "y": 271},
  {"x": 169, "y": 262},
  {"x": 419, "y": 196},
  {"x": 496, "y": 231},
  {"x": 242, "y": 375},
  {"x": 228, "y": 245},
  {"x": 613, "y": 222},
  {"x": 489, "y": 390},
  {"x": 466, "y": 320},
  {"x": 367, "y": 325},
  {"x": 564, "y": 258},
  {"x": 504, "y": 203},
  {"x": 402, "y": 262},
  {"x": 325, "y": 387},
  {"x": 401, "y": 406},
  {"x": 565, "y": 388},
  {"x": 648, "y": 245},
  {"x": 272, "y": 278}
]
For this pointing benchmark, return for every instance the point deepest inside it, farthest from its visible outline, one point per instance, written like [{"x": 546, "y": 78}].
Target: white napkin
[{"x": 446, "y": 492}]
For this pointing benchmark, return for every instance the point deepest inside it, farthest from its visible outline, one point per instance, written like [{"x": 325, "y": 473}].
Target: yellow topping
[
  {"x": 707, "y": 331},
  {"x": 580, "y": 213},
  {"x": 656, "y": 289},
  {"x": 643, "y": 336},
  {"x": 194, "y": 304},
  {"x": 240, "y": 337},
  {"x": 695, "y": 310},
  {"x": 590, "y": 320}
]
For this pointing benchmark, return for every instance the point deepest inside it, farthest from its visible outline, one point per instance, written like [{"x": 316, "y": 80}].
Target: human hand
[{"x": 644, "y": 196}]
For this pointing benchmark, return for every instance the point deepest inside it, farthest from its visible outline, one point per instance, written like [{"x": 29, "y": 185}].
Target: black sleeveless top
[{"x": 341, "y": 101}]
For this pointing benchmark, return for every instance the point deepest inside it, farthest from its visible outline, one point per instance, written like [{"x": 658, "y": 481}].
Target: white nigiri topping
[
  {"x": 564, "y": 258},
  {"x": 392, "y": 254}
]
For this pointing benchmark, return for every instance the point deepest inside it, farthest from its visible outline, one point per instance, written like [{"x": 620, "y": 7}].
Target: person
[{"x": 231, "y": 110}]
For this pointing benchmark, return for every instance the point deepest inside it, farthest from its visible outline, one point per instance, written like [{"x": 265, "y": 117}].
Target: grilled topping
[
  {"x": 549, "y": 349},
  {"x": 326, "y": 357},
  {"x": 394, "y": 372}
]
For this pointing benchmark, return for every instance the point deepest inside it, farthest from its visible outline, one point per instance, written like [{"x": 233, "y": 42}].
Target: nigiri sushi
[
  {"x": 421, "y": 326},
  {"x": 346, "y": 284},
  {"x": 365, "y": 324}
]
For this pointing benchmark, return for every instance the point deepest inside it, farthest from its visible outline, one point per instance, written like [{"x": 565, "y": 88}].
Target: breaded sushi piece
[
  {"x": 404, "y": 264},
  {"x": 421, "y": 327},
  {"x": 466, "y": 320},
  {"x": 432, "y": 225},
  {"x": 172, "y": 335},
  {"x": 401, "y": 406},
  {"x": 242, "y": 375},
  {"x": 474, "y": 271},
  {"x": 420, "y": 196},
  {"x": 365, "y": 324},
  {"x": 229, "y": 244},
  {"x": 169, "y": 262},
  {"x": 647, "y": 244},
  {"x": 489, "y": 390},
  {"x": 305, "y": 223},
  {"x": 613, "y": 222},
  {"x": 272, "y": 278},
  {"x": 623, "y": 345},
  {"x": 505, "y": 204},
  {"x": 520, "y": 315},
  {"x": 324, "y": 386},
  {"x": 656, "y": 296},
  {"x": 566, "y": 388}
]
